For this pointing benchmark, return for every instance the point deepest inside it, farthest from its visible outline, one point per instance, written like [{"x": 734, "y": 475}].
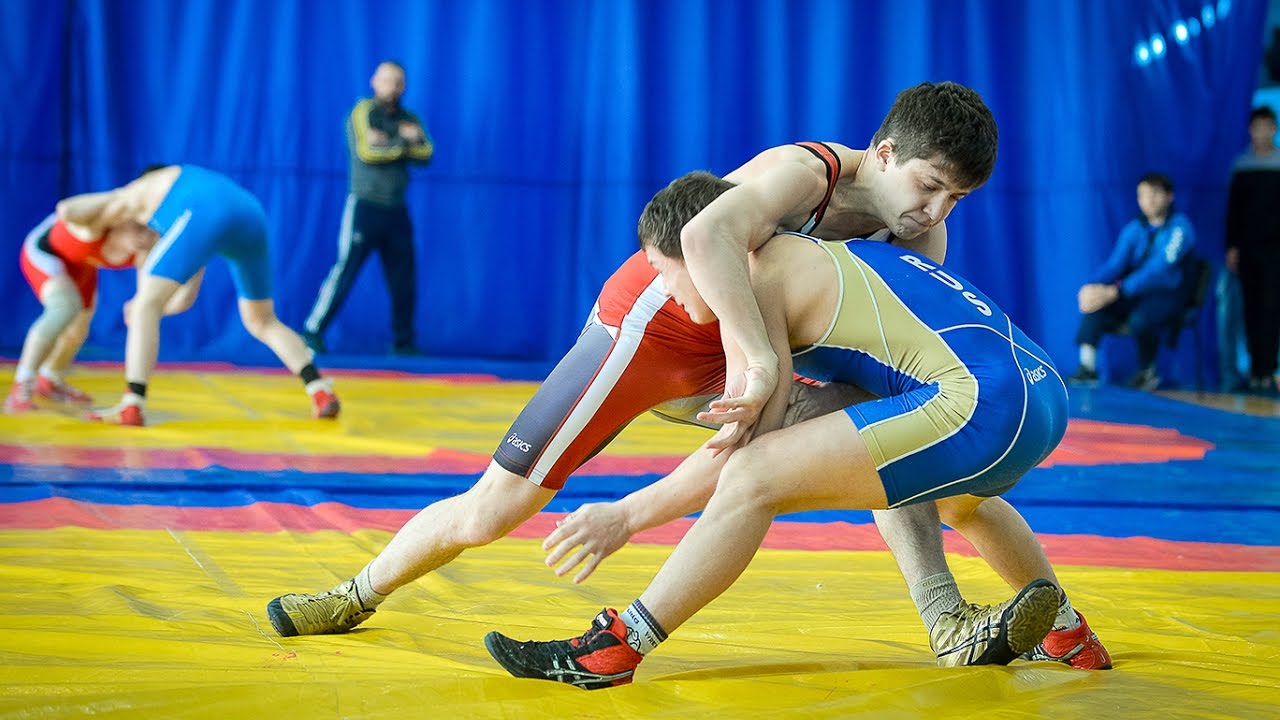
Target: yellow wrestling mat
[{"x": 135, "y": 580}]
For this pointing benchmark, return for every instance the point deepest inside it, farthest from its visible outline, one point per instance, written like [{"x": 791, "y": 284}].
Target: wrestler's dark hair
[
  {"x": 673, "y": 207},
  {"x": 945, "y": 123}
]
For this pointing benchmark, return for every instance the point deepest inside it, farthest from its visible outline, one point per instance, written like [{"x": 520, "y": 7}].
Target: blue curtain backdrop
[{"x": 555, "y": 121}]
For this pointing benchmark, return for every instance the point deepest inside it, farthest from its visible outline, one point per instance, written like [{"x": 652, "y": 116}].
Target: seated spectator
[{"x": 1141, "y": 286}]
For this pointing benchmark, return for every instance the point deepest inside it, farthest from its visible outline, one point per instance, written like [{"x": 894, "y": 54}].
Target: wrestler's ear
[{"x": 883, "y": 153}]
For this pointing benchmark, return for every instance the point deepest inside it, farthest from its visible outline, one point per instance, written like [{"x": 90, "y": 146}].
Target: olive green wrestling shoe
[
  {"x": 333, "y": 611},
  {"x": 996, "y": 634}
]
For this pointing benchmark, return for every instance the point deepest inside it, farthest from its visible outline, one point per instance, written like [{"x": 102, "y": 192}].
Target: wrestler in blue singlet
[
  {"x": 969, "y": 403},
  {"x": 206, "y": 214}
]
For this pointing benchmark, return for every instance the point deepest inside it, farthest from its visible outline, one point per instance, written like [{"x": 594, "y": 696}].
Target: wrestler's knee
[
  {"x": 958, "y": 510},
  {"x": 746, "y": 480},
  {"x": 257, "y": 317},
  {"x": 60, "y": 310},
  {"x": 498, "y": 503},
  {"x": 78, "y": 330}
]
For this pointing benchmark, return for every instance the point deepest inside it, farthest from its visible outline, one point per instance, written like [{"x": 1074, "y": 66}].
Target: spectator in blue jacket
[{"x": 1142, "y": 285}]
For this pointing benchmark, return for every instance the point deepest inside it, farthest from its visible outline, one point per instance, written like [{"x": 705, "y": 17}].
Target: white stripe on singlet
[
  {"x": 46, "y": 262},
  {"x": 166, "y": 241},
  {"x": 627, "y": 340}
]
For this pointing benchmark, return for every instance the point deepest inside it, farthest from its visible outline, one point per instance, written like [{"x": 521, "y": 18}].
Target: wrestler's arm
[
  {"x": 595, "y": 531},
  {"x": 100, "y": 211},
  {"x": 715, "y": 245},
  {"x": 769, "y": 291}
]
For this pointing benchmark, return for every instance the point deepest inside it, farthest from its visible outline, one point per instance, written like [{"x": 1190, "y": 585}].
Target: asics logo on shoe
[
  {"x": 573, "y": 674},
  {"x": 976, "y": 643},
  {"x": 514, "y": 441}
]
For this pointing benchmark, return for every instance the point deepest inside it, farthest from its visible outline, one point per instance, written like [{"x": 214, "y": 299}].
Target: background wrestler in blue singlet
[{"x": 198, "y": 214}]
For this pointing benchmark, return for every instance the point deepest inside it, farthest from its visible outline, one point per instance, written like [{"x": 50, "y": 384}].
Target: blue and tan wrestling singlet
[
  {"x": 137, "y": 565},
  {"x": 968, "y": 402}
]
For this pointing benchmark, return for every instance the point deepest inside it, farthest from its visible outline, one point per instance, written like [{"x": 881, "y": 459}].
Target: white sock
[
  {"x": 1088, "y": 357},
  {"x": 54, "y": 377},
  {"x": 132, "y": 399},
  {"x": 319, "y": 384},
  {"x": 643, "y": 632},
  {"x": 1067, "y": 618},
  {"x": 369, "y": 598},
  {"x": 23, "y": 375},
  {"x": 934, "y": 596}
]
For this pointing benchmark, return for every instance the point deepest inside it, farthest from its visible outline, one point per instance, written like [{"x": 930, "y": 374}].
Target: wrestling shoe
[
  {"x": 59, "y": 391},
  {"x": 995, "y": 634},
  {"x": 600, "y": 658},
  {"x": 20, "y": 397},
  {"x": 333, "y": 611},
  {"x": 324, "y": 404},
  {"x": 125, "y": 413},
  {"x": 1078, "y": 647}
]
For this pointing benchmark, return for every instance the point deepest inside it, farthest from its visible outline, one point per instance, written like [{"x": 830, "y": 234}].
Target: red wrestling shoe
[
  {"x": 600, "y": 658},
  {"x": 20, "y": 398},
  {"x": 59, "y": 391},
  {"x": 324, "y": 404},
  {"x": 1078, "y": 647},
  {"x": 125, "y": 413}
]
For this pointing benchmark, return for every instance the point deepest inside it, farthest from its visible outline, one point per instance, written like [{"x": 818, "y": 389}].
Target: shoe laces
[
  {"x": 338, "y": 605},
  {"x": 969, "y": 628},
  {"x": 586, "y": 638},
  {"x": 573, "y": 646},
  {"x": 984, "y": 619}
]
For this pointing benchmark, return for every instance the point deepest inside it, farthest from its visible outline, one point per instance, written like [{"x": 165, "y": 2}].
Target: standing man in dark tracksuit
[
  {"x": 1253, "y": 247},
  {"x": 382, "y": 139}
]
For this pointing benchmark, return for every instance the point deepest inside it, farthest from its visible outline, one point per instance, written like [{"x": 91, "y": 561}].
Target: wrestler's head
[
  {"x": 126, "y": 240},
  {"x": 659, "y": 229},
  {"x": 936, "y": 145}
]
